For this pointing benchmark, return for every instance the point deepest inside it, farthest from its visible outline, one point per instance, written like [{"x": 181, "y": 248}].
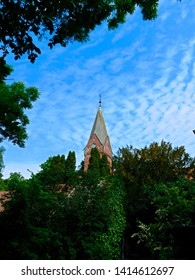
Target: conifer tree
[
  {"x": 94, "y": 162},
  {"x": 70, "y": 167},
  {"x": 104, "y": 166}
]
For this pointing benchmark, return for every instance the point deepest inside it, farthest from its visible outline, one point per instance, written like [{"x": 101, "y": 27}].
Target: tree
[
  {"x": 149, "y": 166},
  {"x": 61, "y": 21},
  {"x": 5, "y": 70},
  {"x": 58, "y": 170},
  {"x": 14, "y": 100},
  {"x": 29, "y": 221},
  {"x": 97, "y": 220},
  {"x": 98, "y": 164},
  {"x": 40, "y": 223},
  {"x": 111, "y": 239},
  {"x": 53, "y": 171},
  {"x": 14, "y": 180},
  {"x": 153, "y": 164},
  {"x": 70, "y": 167},
  {"x": 174, "y": 206},
  {"x": 94, "y": 163},
  {"x": 104, "y": 166}
]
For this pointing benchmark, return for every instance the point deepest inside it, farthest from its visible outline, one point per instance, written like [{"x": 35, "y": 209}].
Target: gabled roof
[{"x": 99, "y": 127}]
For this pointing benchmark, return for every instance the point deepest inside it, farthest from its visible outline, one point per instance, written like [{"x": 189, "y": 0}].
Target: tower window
[{"x": 93, "y": 145}]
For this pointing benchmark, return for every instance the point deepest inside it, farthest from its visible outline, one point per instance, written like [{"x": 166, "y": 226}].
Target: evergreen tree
[
  {"x": 70, "y": 167},
  {"x": 104, "y": 166},
  {"x": 94, "y": 163}
]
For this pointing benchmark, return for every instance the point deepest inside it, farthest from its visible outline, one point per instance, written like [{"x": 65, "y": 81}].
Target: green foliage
[
  {"x": 70, "y": 167},
  {"x": 14, "y": 100},
  {"x": 58, "y": 170},
  {"x": 111, "y": 240},
  {"x": 61, "y": 21},
  {"x": 100, "y": 220},
  {"x": 174, "y": 206},
  {"x": 104, "y": 167},
  {"x": 53, "y": 171},
  {"x": 90, "y": 218},
  {"x": 38, "y": 223},
  {"x": 28, "y": 223},
  {"x": 14, "y": 180},
  {"x": 98, "y": 166},
  {"x": 154, "y": 164},
  {"x": 141, "y": 170},
  {"x": 94, "y": 163},
  {"x": 5, "y": 70}
]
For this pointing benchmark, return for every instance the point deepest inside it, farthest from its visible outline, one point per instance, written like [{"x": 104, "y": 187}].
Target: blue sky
[{"x": 145, "y": 72}]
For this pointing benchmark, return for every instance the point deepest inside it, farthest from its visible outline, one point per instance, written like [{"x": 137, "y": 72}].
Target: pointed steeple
[
  {"x": 99, "y": 127},
  {"x": 98, "y": 138}
]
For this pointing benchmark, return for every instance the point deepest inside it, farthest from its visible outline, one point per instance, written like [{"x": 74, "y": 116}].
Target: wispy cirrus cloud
[{"x": 145, "y": 73}]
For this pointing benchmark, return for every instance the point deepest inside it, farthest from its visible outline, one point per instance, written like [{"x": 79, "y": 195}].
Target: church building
[{"x": 98, "y": 138}]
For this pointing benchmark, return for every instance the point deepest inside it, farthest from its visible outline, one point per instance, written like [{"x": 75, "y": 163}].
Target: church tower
[{"x": 98, "y": 138}]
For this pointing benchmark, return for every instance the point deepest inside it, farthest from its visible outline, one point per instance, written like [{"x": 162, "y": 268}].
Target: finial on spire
[{"x": 100, "y": 100}]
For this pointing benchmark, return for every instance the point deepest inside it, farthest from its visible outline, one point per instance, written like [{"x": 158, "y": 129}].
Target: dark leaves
[
  {"x": 14, "y": 99},
  {"x": 63, "y": 21}
]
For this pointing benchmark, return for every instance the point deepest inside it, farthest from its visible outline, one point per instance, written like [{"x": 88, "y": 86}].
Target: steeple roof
[
  {"x": 99, "y": 127},
  {"x": 98, "y": 138}
]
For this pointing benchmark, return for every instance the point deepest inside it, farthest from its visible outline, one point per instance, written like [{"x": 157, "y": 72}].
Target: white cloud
[{"x": 147, "y": 82}]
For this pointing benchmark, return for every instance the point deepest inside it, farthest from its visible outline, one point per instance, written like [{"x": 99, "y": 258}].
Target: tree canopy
[
  {"x": 174, "y": 206},
  {"x": 98, "y": 164},
  {"x": 148, "y": 174},
  {"x": 61, "y": 22},
  {"x": 58, "y": 170},
  {"x": 145, "y": 209},
  {"x": 39, "y": 222},
  {"x": 153, "y": 164},
  {"x": 14, "y": 100}
]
